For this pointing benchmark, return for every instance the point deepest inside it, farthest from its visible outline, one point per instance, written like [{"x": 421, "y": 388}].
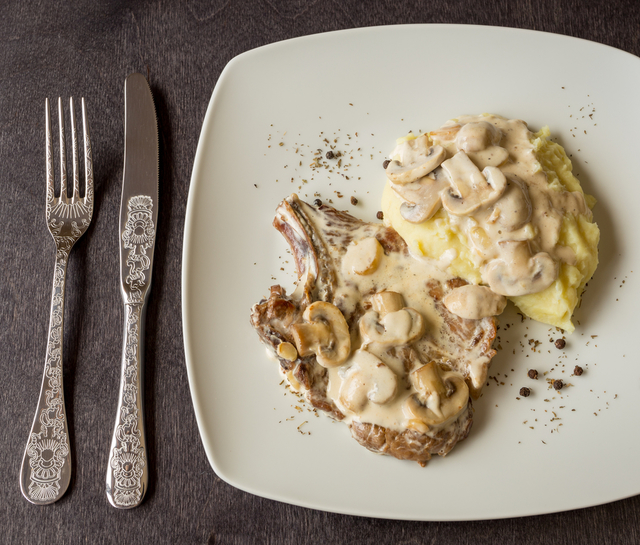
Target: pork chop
[{"x": 366, "y": 337}]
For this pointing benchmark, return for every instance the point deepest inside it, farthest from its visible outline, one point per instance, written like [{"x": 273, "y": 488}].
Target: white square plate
[{"x": 552, "y": 451}]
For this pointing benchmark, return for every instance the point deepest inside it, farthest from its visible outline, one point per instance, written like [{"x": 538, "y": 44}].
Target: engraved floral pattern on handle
[
  {"x": 128, "y": 457},
  {"x": 47, "y": 450},
  {"x": 138, "y": 237},
  {"x": 126, "y": 474},
  {"x": 46, "y": 465}
]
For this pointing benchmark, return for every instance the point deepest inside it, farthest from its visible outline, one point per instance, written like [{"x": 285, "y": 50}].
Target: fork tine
[
  {"x": 50, "y": 190},
  {"x": 74, "y": 143},
  {"x": 88, "y": 159},
  {"x": 63, "y": 155}
]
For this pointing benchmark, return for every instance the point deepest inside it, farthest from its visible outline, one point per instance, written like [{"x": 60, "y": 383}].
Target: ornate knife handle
[
  {"x": 127, "y": 471},
  {"x": 46, "y": 465}
]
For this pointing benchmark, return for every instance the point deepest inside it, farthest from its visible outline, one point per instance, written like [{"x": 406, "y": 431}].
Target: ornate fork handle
[
  {"x": 127, "y": 470},
  {"x": 46, "y": 465}
]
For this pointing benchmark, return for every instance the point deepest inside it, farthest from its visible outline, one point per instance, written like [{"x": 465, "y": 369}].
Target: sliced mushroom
[
  {"x": 513, "y": 210},
  {"x": 363, "y": 256},
  {"x": 445, "y": 134},
  {"x": 442, "y": 395},
  {"x": 396, "y": 328},
  {"x": 417, "y": 213},
  {"x": 385, "y": 301},
  {"x": 422, "y": 197},
  {"x": 414, "y": 159},
  {"x": 477, "y": 136},
  {"x": 480, "y": 241},
  {"x": 517, "y": 272},
  {"x": 474, "y": 302},
  {"x": 368, "y": 379},
  {"x": 470, "y": 188},
  {"x": 493, "y": 156},
  {"x": 462, "y": 174},
  {"x": 324, "y": 333},
  {"x": 287, "y": 351},
  {"x": 498, "y": 182}
]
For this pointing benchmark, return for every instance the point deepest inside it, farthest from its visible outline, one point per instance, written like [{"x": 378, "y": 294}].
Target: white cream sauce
[
  {"x": 485, "y": 173},
  {"x": 363, "y": 256},
  {"x": 527, "y": 210},
  {"x": 474, "y": 302},
  {"x": 403, "y": 274}
]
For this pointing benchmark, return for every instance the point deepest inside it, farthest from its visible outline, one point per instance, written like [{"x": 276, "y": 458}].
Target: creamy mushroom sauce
[
  {"x": 513, "y": 228},
  {"x": 366, "y": 272},
  {"x": 474, "y": 302},
  {"x": 398, "y": 273}
]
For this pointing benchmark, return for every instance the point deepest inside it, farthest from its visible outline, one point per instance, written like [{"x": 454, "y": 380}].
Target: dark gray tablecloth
[{"x": 51, "y": 49}]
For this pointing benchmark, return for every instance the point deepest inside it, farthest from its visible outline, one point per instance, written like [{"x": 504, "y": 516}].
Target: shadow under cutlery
[{"x": 154, "y": 317}]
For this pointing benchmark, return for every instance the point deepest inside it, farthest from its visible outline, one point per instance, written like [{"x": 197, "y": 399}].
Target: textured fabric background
[{"x": 86, "y": 48}]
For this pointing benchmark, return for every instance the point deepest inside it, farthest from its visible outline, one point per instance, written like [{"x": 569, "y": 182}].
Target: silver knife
[{"x": 127, "y": 473}]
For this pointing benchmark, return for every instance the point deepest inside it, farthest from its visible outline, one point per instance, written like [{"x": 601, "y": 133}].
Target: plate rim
[{"x": 189, "y": 234}]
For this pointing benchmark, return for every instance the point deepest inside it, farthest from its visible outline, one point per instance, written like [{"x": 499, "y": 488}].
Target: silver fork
[{"x": 46, "y": 465}]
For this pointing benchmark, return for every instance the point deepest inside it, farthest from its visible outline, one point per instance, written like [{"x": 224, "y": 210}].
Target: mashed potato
[{"x": 441, "y": 238}]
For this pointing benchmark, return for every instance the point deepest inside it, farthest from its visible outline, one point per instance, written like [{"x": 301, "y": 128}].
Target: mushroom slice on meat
[
  {"x": 517, "y": 272},
  {"x": 414, "y": 159},
  {"x": 394, "y": 328},
  {"x": 474, "y": 302},
  {"x": 367, "y": 380},
  {"x": 324, "y": 333},
  {"x": 470, "y": 189},
  {"x": 287, "y": 351},
  {"x": 442, "y": 395},
  {"x": 387, "y": 301},
  {"x": 363, "y": 257}
]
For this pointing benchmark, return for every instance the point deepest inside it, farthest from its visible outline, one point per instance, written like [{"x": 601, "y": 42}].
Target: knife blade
[{"x": 127, "y": 472}]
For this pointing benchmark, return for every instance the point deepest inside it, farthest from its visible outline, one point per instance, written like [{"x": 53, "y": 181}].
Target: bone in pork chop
[{"x": 367, "y": 338}]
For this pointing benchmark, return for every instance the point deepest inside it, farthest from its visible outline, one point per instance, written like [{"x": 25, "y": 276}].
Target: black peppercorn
[
  {"x": 533, "y": 373},
  {"x": 386, "y": 164},
  {"x": 558, "y": 384},
  {"x": 560, "y": 344},
  {"x": 317, "y": 202},
  {"x": 354, "y": 201},
  {"x": 525, "y": 392},
  {"x": 380, "y": 215},
  {"x": 577, "y": 370},
  {"x": 330, "y": 155}
]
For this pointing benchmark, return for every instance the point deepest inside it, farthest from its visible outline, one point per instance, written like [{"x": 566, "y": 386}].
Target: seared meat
[{"x": 320, "y": 240}]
